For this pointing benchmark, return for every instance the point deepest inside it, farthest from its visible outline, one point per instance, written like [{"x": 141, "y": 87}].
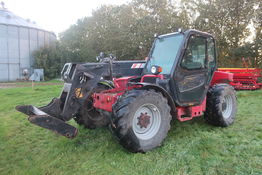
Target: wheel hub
[
  {"x": 143, "y": 120},
  {"x": 224, "y": 106},
  {"x": 146, "y": 121}
]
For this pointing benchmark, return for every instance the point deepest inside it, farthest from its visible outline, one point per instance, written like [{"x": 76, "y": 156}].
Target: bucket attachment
[
  {"x": 80, "y": 82},
  {"x": 42, "y": 119}
]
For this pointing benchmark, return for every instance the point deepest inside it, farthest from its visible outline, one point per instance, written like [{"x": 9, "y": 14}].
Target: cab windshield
[{"x": 164, "y": 52}]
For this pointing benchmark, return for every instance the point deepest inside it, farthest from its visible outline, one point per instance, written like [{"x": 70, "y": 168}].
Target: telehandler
[{"x": 138, "y": 99}]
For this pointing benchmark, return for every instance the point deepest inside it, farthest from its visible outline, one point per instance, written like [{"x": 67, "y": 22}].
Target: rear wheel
[
  {"x": 90, "y": 117},
  {"x": 221, "y": 105},
  {"x": 141, "y": 120}
]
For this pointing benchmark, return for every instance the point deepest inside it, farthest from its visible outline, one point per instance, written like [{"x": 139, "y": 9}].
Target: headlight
[
  {"x": 156, "y": 70},
  {"x": 153, "y": 69}
]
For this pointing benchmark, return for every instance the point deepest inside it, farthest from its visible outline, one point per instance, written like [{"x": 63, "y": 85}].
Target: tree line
[{"x": 127, "y": 31}]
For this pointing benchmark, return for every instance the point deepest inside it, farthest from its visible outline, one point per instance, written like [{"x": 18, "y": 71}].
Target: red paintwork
[
  {"x": 221, "y": 77},
  {"x": 106, "y": 99},
  {"x": 149, "y": 75},
  {"x": 121, "y": 82},
  {"x": 187, "y": 113},
  {"x": 245, "y": 78}
]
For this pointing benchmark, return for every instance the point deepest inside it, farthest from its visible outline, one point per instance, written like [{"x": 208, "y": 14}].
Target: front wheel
[
  {"x": 141, "y": 120},
  {"x": 221, "y": 106},
  {"x": 90, "y": 117}
]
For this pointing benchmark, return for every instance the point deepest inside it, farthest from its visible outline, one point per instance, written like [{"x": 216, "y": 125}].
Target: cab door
[{"x": 194, "y": 70}]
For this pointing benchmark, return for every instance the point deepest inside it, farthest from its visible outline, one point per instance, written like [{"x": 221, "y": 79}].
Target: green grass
[{"x": 192, "y": 147}]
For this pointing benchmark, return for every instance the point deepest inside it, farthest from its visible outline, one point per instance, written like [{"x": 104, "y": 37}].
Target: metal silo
[{"x": 18, "y": 39}]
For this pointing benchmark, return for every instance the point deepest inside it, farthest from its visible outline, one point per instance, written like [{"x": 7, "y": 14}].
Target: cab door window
[
  {"x": 211, "y": 54},
  {"x": 195, "y": 54}
]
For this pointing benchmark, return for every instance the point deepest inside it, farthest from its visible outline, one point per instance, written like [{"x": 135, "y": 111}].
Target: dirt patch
[{"x": 25, "y": 84}]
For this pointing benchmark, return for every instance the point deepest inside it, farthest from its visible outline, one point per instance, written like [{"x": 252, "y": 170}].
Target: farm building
[{"x": 18, "y": 39}]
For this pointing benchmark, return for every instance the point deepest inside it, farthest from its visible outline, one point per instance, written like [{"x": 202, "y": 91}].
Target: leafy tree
[
  {"x": 228, "y": 22},
  {"x": 127, "y": 30},
  {"x": 51, "y": 59},
  {"x": 257, "y": 23}
]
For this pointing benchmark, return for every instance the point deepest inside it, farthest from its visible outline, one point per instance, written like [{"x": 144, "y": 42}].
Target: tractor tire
[
  {"x": 221, "y": 106},
  {"x": 141, "y": 120},
  {"x": 90, "y": 117}
]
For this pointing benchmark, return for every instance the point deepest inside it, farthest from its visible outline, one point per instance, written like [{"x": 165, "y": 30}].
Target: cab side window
[{"x": 195, "y": 54}]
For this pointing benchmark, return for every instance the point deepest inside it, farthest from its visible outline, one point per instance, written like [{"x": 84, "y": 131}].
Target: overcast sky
[{"x": 55, "y": 15}]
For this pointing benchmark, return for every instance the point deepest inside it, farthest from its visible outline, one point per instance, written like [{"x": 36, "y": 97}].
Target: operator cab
[{"x": 188, "y": 60}]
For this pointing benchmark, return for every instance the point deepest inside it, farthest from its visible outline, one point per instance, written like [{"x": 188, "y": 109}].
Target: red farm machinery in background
[{"x": 245, "y": 78}]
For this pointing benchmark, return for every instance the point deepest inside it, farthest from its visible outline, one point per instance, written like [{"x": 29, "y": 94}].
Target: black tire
[
  {"x": 221, "y": 106},
  {"x": 126, "y": 124},
  {"x": 90, "y": 117}
]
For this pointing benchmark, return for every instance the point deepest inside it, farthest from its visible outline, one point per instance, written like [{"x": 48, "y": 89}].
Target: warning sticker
[{"x": 138, "y": 65}]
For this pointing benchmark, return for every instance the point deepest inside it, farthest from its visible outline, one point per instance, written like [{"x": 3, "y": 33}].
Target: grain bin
[{"x": 18, "y": 39}]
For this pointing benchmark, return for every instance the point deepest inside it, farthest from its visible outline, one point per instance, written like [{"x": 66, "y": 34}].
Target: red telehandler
[{"x": 138, "y": 99}]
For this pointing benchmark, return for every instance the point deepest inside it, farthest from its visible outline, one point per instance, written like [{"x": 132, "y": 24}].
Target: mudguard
[{"x": 159, "y": 89}]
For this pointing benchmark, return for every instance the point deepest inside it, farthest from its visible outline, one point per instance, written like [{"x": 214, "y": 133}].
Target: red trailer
[{"x": 245, "y": 78}]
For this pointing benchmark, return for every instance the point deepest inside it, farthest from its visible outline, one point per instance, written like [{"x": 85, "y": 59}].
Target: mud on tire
[
  {"x": 221, "y": 106},
  {"x": 141, "y": 120}
]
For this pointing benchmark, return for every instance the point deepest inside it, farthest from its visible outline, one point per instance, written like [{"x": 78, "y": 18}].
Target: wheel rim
[
  {"x": 227, "y": 106},
  {"x": 146, "y": 121}
]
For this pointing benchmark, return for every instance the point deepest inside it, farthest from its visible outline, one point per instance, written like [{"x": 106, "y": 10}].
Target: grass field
[{"x": 192, "y": 147}]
